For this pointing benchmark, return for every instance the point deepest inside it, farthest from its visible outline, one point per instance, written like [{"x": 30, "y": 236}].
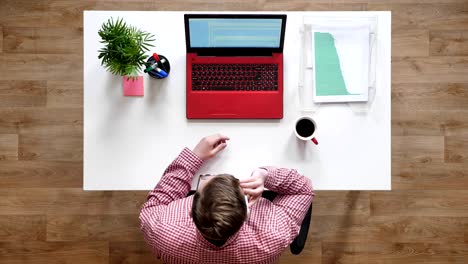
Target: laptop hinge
[{"x": 244, "y": 53}]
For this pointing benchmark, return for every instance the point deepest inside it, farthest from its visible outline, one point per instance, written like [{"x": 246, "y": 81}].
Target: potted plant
[{"x": 124, "y": 53}]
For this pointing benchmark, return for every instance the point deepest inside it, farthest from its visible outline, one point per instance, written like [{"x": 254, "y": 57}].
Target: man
[{"x": 227, "y": 220}]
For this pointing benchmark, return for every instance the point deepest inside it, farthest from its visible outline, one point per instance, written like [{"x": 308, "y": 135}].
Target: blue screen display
[{"x": 235, "y": 33}]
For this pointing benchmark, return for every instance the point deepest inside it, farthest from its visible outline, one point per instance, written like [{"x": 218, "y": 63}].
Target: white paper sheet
[{"x": 351, "y": 41}]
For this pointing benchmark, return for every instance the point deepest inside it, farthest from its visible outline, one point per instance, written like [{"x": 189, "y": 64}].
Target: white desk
[{"x": 129, "y": 141}]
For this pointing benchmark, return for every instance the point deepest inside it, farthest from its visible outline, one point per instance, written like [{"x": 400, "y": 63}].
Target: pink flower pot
[{"x": 133, "y": 86}]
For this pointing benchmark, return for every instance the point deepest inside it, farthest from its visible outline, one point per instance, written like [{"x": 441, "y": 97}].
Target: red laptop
[{"x": 234, "y": 65}]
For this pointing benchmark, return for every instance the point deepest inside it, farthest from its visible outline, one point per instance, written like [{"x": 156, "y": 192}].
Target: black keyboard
[{"x": 234, "y": 77}]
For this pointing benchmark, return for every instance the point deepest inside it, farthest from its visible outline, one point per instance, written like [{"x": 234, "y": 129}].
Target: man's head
[{"x": 219, "y": 208}]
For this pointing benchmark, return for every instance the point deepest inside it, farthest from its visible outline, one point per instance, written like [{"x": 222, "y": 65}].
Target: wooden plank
[
  {"x": 433, "y": 176},
  {"x": 118, "y": 202},
  {"x": 23, "y": 93},
  {"x": 449, "y": 43},
  {"x": 23, "y": 13},
  {"x": 410, "y": 42},
  {"x": 93, "y": 228},
  {"x": 430, "y": 96},
  {"x": 16, "y": 201},
  {"x": 67, "y": 228},
  {"x": 454, "y": 123},
  {"x": 420, "y": 203},
  {"x": 408, "y": 121},
  {"x": 416, "y": 229},
  {"x": 355, "y": 229},
  {"x": 8, "y": 147},
  {"x": 456, "y": 149},
  {"x": 340, "y": 203},
  {"x": 417, "y": 253},
  {"x": 1, "y": 39},
  {"x": 437, "y": 16},
  {"x": 53, "y": 121},
  {"x": 8, "y": 120},
  {"x": 14, "y": 67},
  {"x": 58, "y": 67},
  {"x": 342, "y": 228},
  {"x": 439, "y": 69},
  {"x": 37, "y": 40},
  {"x": 301, "y": 5},
  {"x": 69, "y": 201},
  {"x": 417, "y": 149},
  {"x": 466, "y": 233},
  {"x": 36, "y": 252},
  {"x": 67, "y": 67},
  {"x": 65, "y": 94},
  {"x": 312, "y": 253},
  {"x": 131, "y": 252},
  {"x": 360, "y": 1},
  {"x": 58, "y": 147},
  {"x": 18, "y": 228},
  {"x": 41, "y": 174}
]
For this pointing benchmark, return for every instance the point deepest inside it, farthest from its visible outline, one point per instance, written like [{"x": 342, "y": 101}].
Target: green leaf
[{"x": 124, "y": 47}]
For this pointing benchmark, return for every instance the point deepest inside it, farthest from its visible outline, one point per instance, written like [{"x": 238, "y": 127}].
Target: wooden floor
[{"x": 46, "y": 217}]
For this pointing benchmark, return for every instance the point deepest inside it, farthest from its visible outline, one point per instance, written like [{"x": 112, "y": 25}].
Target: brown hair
[{"x": 219, "y": 210}]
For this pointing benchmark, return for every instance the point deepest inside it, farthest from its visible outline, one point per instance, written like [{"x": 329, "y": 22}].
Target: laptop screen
[{"x": 234, "y": 34}]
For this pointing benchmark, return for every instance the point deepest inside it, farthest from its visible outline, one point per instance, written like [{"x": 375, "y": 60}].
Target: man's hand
[
  {"x": 253, "y": 186},
  {"x": 209, "y": 146}
]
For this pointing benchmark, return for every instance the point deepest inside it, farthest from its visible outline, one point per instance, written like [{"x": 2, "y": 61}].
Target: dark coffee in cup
[{"x": 305, "y": 128}]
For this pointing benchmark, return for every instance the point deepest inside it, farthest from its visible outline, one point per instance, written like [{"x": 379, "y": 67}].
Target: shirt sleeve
[
  {"x": 295, "y": 194},
  {"x": 174, "y": 185}
]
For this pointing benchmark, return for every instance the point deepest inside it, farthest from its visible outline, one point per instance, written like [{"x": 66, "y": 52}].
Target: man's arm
[
  {"x": 294, "y": 199},
  {"x": 174, "y": 185},
  {"x": 295, "y": 193},
  {"x": 175, "y": 182}
]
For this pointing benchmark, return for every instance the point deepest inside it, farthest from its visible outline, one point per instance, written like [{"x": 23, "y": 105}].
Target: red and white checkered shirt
[{"x": 269, "y": 229}]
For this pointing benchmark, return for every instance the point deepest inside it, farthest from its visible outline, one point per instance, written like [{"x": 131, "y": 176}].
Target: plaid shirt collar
[{"x": 207, "y": 244}]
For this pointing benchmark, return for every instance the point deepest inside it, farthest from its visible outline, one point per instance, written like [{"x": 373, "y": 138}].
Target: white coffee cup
[{"x": 305, "y": 128}]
